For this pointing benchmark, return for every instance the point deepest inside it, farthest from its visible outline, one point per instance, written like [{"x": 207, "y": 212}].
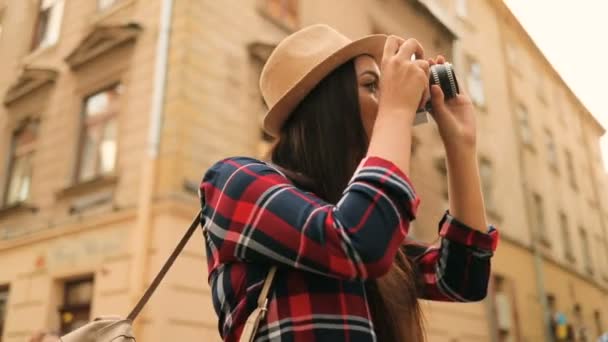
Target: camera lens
[{"x": 444, "y": 76}]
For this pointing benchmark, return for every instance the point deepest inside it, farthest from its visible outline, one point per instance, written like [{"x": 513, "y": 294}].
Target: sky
[{"x": 573, "y": 36}]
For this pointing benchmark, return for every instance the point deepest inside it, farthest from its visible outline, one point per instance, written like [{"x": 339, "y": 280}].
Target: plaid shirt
[{"x": 255, "y": 217}]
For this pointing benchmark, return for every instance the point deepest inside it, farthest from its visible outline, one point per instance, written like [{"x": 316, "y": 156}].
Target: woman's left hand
[{"x": 455, "y": 117}]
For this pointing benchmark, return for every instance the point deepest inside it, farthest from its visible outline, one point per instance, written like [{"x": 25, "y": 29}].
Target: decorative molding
[
  {"x": 88, "y": 187},
  {"x": 29, "y": 79},
  {"x": 19, "y": 207},
  {"x": 100, "y": 40}
]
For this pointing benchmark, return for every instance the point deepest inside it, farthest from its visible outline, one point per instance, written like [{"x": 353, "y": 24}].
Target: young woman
[{"x": 332, "y": 207}]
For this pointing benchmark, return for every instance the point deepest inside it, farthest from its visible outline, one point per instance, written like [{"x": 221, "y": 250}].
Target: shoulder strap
[
  {"x": 159, "y": 277},
  {"x": 254, "y": 319},
  {"x": 263, "y": 298}
]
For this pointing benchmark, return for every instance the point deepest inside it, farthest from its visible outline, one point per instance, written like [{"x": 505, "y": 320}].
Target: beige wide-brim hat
[{"x": 301, "y": 61}]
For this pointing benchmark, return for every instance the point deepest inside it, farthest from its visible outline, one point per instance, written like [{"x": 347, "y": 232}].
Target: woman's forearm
[
  {"x": 392, "y": 138},
  {"x": 464, "y": 187}
]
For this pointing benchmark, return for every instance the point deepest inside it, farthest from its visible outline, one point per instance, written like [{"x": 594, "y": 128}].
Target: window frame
[
  {"x": 507, "y": 288},
  {"x": 27, "y": 151},
  {"x": 6, "y": 289},
  {"x": 571, "y": 170},
  {"x": 441, "y": 167},
  {"x": 551, "y": 150},
  {"x": 53, "y": 24},
  {"x": 80, "y": 307},
  {"x": 2, "y": 13},
  {"x": 566, "y": 237},
  {"x": 97, "y": 121},
  {"x": 525, "y": 127},
  {"x": 540, "y": 219},
  {"x": 472, "y": 61},
  {"x": 585, "y": 248}
]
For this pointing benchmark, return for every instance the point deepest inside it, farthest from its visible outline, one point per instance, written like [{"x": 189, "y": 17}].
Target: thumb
[
  {"x": 440, "y": 111},
  {"x": 437, "y": 99}
]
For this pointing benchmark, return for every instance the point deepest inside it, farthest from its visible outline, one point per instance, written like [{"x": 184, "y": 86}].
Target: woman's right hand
[{"x": 404, "y": 83}]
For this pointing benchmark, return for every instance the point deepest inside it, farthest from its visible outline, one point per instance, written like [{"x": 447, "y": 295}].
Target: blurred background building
[{"x": 113, "y": 109}]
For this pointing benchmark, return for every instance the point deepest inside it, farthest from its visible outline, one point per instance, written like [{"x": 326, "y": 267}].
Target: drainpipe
[
  {"x": 538, "y": 258},
  {"x": 140, "y": 238}
]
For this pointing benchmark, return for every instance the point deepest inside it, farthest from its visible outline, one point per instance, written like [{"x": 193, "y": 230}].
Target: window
[
  {"x": 505, "y": 318},
  {"x": 539, "y": 215},
  {"x": 570, "y": 167},
  {"x": 604, "y": 257},
  {"x": 541, "y": 86},
  {"x": 461, "y": 8},
  {"x": 441, "y": 167},
  {"x": 98, "y": 144},
  {"x": 475, "y": 83},
  {"x": 565, "y": 232},
  {"x": 1, "y": 20},
  {"x": 415, "y": 144},
  {"x": 512, "y": 54},
  {"x": 76, "y": 309},
  {"x": 105, "y": 4},
  {"x": 599, "y": 327},
  {"x": 20, "y": 167},
  {"x": 486, "y": 174},
  {"x": 551, "y": 150},
  {"x": 524, "y": 124},
  {"x": 48, "y": 23},
  {"x": 283, "y": 12},
  {"x": 586, "y": 252},
  {"x": 3, "y": 308}
]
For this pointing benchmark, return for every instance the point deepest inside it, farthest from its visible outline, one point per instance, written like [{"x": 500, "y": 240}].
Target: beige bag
[{"x": 116, "y": 329}]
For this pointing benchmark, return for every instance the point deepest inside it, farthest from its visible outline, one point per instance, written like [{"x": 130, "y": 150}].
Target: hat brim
[{"x": 372, "y": 45}]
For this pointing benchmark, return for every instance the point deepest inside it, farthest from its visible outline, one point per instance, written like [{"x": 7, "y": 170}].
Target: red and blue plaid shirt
[{"x": 255, "y": 218}]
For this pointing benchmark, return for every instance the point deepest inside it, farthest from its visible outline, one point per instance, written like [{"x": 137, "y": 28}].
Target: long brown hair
[{"x": 319, "y": 147}]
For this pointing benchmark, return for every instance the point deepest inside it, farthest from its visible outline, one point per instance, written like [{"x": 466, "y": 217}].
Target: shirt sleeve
[
  {"x": 458, "y": 269},
  {"x": 253, "y": 213}
]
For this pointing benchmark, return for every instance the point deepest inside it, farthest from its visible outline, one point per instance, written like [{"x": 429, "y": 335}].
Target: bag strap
[
  {"x": 263, "y": 298},
  {"x": 161, "y": 274},
  {"x": 254, "y": 319}
]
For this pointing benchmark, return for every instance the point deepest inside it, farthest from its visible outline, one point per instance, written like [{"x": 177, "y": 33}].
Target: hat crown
[{"x": 296, "y": 56}]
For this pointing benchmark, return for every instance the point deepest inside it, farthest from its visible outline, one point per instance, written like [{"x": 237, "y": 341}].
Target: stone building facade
[{"x": 113, "y": 109}]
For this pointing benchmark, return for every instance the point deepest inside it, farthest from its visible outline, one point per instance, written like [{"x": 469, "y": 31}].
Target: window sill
[
  {"x": 36, "y": 54},
  {"x": 553, "y": 168},
  {"x": 82, "y": 188},
  {"x": 16, "y": 208},
  {"x": 529, "y": 146},
  {"x": 570, "y": 258},
  {"x": 544, "y": 241},
  {"x": 191, "y": 187}
]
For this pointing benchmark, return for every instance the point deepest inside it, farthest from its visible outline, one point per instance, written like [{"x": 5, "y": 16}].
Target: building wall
[
  {"x": 212, "y": 109},
  {"x": 40, "y": 250}
]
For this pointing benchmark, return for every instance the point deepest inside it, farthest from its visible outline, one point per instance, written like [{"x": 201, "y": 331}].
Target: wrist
[
  {"x": 403, "y": 112},
  {"x": 460, "y": 151}
]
